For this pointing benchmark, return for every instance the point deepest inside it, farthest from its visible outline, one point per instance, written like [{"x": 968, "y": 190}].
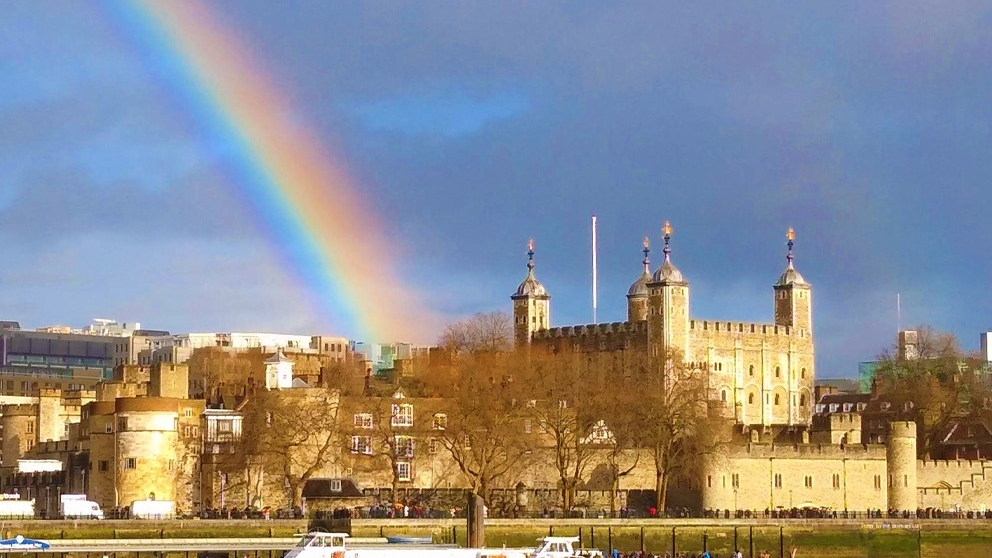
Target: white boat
[{"x": 318, "y": 544}]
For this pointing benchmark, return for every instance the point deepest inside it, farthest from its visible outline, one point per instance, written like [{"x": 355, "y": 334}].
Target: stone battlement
[
  {"x": 743, "y": 327},
  {"x": 960, "y": 464},
  {"x": 21, "y": 409},
  {"x": 592, "y": 329},
  {"x": 810, "y": 451}
]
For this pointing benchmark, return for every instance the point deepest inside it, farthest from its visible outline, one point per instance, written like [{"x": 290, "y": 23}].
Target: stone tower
[
  {"x": 793, "y": 296},
  {"x": 531, "y": 304},
  {"x": 668, "y": 306},
  {"x": 637, "y": 295},
  {"x": 900, "y": 457}
]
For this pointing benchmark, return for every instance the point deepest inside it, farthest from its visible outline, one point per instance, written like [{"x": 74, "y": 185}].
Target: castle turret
[
  {"x": 793, "y": 309},
  {"x": 793, "y": 295},
  {"x": 900, "y": 457},
  {"x": 668, "y": 306},
  {"x": 637, "y": 295},
  {"x": 531, "y": 304}
]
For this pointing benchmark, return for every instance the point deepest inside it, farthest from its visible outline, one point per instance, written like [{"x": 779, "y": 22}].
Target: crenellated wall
[{"x": 759, "y": 477}]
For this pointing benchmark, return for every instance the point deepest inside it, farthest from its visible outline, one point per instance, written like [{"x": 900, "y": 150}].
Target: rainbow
[{"x": 302, "y": 195}]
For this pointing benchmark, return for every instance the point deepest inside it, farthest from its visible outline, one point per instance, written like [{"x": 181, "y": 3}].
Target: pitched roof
[{"x": 326, "y": 488}]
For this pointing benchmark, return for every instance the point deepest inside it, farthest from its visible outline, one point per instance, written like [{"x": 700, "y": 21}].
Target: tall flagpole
[
  {"x": 898, "y": 312},
  {"x": 594, "y": 271}
]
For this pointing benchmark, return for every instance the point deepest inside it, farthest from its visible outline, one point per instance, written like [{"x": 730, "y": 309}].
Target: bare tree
[
  {"x": 562, "y": 411},
  {"x": 618, "y": 431},
  {"x": 388, "y": 434},
  {"x": 211, "y": 369},
  {"x": 485, "y": 331},
  {"x": 933, "y": 382},
  {"x": 485, "y": 432},
  {"x": 295, "y": 432},
  {"x": 673, "y": 419}
]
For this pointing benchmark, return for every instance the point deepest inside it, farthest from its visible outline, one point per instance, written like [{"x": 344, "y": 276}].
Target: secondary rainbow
[{"x": 318, "y": 221}]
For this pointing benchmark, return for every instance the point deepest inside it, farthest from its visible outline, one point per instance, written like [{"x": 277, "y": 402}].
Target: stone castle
[
  {"x": 762, "y": 373},
  {"x": 145, "y": 434}
]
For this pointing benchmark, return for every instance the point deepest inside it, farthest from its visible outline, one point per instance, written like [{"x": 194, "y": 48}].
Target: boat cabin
[{"x": 318, "y": 544}]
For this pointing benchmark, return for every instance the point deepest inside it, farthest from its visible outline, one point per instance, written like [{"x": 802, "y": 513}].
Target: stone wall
[{"x": 768, "y": 477}]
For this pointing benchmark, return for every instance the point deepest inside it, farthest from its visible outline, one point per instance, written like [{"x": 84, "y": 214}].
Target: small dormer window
[
  {"x": 834, "y": 407},
  {"x": 847, "y": 407},
  {"x": 885, "y": 405},
  {"x": 335, "y": 485}
]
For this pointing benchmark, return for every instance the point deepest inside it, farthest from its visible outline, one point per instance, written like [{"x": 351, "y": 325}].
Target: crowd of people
[{"x": 703, "y": 554}]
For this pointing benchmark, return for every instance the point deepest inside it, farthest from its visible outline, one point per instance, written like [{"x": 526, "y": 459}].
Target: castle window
[
  {"x": 750, "y": 370},
  {"x": 103, "y": 465},
  {"x": 808, "y": 481},
  {"x": 836, "y": 481},
  {"x": 121, "y": 424},
  {"x": 778, "y": 480},
  {"x": 403, "y": 472},
  {"x": 802, "y": 400},
  {"x": 402, "y": 415},
  {"x": 778, "y": 371},
  {"x": 108, "y": 427},
  {"x": 31, "y": 427},
  {"x": 878, "y": 482},
  {"x": 735, "y": 480},
  {"x": 776, "y": 399},
  {"x": 750, "y": 399},
  {"x": 363, "y": 421},
  {"x": 403, "y": 446},
  {"x": 361, "y": 444},
  {"x": 130, "y": 463},
  {"x": 709, "y": 481},
  {"x": 802, "y": 374}
]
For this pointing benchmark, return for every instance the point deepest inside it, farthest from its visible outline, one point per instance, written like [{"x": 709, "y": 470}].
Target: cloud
[
  {"x": 448, "y": 114},
  {"x": 66, "y": 203},
  {"x": 471, "y": 127}
]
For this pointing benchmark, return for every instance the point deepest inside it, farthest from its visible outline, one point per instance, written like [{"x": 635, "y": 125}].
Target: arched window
[
  {"x": 802, "y": 400},
  {"x": 723, "y": 396},
  {"x": 750, "y": 399},
  {"x": 778, "y": 371},
  {"x": 750, "y": 370},
  {"x": 803, "y": 373},
  {"x": 776, "y": 399}
]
